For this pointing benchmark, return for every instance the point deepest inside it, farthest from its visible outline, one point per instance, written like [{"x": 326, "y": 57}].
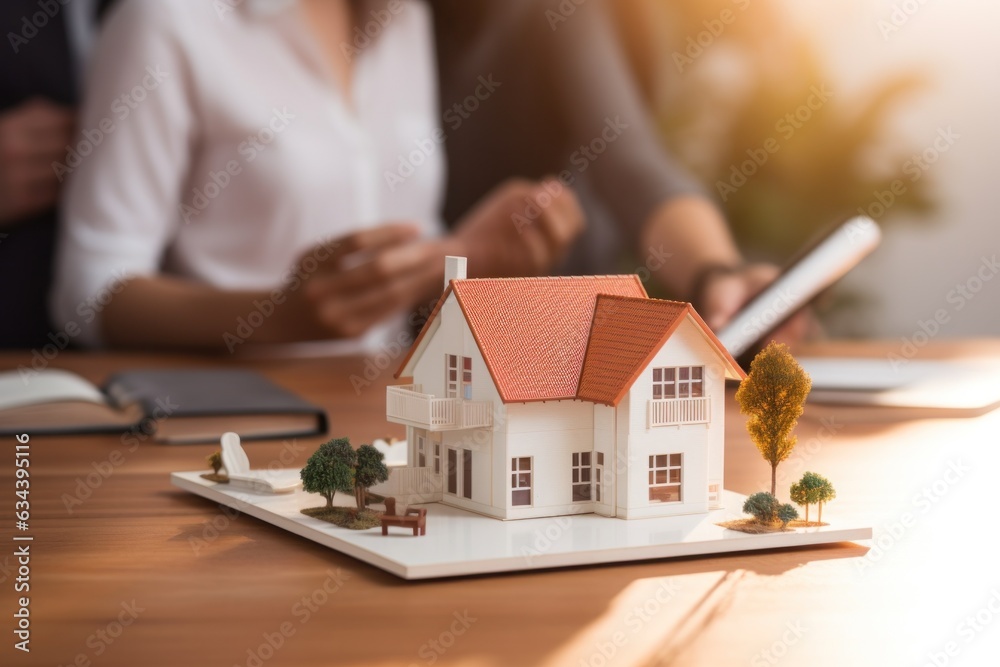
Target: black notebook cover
[{"x": 178, "y": 395}]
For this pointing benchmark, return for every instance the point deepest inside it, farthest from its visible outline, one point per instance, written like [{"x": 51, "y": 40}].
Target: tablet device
[{"x": 816, "y": 268}]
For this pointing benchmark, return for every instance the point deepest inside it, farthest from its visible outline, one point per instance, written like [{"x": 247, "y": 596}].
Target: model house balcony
[
  {"x": 679, "y": 411},
  {"x": 406, "y": 404}
]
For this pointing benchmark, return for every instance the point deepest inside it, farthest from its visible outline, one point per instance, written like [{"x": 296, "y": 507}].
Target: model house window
[
  {"x": 458, "y": 378},
  {"x": 437, "y": 458},
  {"x": 581, "y": 476},
  {"x": 520, "y": 481},
  {"x": 679, "y": 382},
  {"x": 665, "y": 478},
  {"x": 599, "y": 476},
  {"x": 713, "y": 493},
  {"x": 421, "y": 451}
]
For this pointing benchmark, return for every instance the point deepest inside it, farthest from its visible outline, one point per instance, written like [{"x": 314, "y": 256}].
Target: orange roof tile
[
  {"x": 546, "y": 339},
  {"x": 626, "y": 335},
  {"x": 533, "y": 331}
]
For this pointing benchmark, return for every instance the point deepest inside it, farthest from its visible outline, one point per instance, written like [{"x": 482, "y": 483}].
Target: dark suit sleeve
[{"x": 600, "y": 103}]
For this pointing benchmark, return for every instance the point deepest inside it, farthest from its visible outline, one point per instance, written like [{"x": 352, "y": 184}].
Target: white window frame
[
  {"x": 672, "y": 382},
  {"x": 666, "y": 464},
  {"x": 421, "y": 449},
  {"x": 598, "y": 475},
  {"x": 582, "y": 476},
  {"x": 517, "y": 471}
]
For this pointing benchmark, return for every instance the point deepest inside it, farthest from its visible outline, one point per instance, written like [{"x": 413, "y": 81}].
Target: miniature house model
[{"x": 550, "y": 396}]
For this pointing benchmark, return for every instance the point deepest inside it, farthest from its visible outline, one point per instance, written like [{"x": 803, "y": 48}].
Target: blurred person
[
  {"x": 567, "y": 103},
  {"x": 47, "y": 43},
  {"x": 264, "y": 170}
]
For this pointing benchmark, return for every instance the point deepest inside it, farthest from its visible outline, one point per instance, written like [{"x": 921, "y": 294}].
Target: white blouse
[{"x": 214, "y": 146}]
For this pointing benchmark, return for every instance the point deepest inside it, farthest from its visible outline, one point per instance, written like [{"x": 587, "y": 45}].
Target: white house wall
[
  {"x": 550, "y": 433},
  {"x": 453, "y": 336},
  {"x": 604, "y": 442},
  {"x": 701, "y": 444}
]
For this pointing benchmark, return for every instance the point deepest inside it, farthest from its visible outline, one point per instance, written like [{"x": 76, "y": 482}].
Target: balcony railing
[
  {"x": 406, "y": 404},
  {"x": 678, "y": 411},
  {"x": 411, "y": 485}
]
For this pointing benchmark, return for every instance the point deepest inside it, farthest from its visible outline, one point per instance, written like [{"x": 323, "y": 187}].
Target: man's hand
[
  {"x": 520, "y": 229},
  {"x": 32, "y": 137},
  {"x": 725, "y": 292}
]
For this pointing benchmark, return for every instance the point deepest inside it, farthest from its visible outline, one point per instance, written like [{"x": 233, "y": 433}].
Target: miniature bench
[{"x": 415, "y": 518}]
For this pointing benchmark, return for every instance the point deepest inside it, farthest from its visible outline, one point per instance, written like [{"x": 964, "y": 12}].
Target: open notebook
[{"x": 176, "y": 406}]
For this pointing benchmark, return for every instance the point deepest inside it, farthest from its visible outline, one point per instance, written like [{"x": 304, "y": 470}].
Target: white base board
[{"x": 463, "y": 543}]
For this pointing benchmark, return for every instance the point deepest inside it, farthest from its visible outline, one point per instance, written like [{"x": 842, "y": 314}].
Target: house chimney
[{"x": 454, "y": 269}]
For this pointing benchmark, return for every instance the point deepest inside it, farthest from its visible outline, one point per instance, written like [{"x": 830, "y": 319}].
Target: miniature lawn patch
[{"x": 346, "y": 517}]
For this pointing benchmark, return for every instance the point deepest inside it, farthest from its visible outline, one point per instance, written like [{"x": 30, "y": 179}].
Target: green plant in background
[{"x": 731, "y": 83}]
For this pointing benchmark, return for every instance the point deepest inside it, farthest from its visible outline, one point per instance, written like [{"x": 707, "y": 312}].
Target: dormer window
[{"x": 678, "y": 382}]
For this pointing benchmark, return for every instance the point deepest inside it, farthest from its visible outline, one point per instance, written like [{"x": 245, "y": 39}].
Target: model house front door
[{"x": 460, "y": 472}]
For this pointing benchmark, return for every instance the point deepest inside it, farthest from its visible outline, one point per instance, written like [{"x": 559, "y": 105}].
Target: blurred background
[{"x": 912, "y": 102}]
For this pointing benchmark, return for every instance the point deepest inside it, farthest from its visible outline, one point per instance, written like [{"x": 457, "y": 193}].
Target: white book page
[{"x": 19, "y": 389}]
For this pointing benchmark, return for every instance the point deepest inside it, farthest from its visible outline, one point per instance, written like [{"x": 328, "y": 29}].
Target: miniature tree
[
  {"x": 215, "y": 460},
  {"x": 787, "y": 513},
  {"x": 330, "y": 469},
  {"x": 772, "y": 396},
  {"x": 763, "y": 506},
  {"x": 812, "y": 489},
  {"x": 370, "y": 470}
]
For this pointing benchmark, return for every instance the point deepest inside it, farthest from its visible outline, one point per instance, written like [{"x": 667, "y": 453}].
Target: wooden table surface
[{"x": 139, "y": 573}]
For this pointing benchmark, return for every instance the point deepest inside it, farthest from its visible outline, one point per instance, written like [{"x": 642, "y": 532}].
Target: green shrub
[
  {"x": 787, "y": 513},
  {"x": 763, "y": 506}
]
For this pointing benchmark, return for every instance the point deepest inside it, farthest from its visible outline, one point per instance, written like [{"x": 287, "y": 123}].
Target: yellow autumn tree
[{"x": 772, "y": 396}]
